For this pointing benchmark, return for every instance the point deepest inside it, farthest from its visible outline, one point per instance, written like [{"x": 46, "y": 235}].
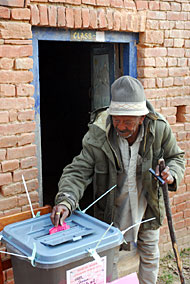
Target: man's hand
[
  {"x": 165, "y": 175},
  {"x": 59, "y": 214}
]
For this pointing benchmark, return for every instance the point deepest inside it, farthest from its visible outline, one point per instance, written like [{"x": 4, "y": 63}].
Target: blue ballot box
[{"x": 53, "y": 255}]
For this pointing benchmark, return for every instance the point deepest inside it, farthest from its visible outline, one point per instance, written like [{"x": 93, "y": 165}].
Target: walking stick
[{"x": 170, "y": 223}]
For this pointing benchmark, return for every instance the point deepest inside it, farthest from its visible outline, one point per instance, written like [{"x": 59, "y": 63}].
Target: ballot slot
[{"x": 73, "y": 234}]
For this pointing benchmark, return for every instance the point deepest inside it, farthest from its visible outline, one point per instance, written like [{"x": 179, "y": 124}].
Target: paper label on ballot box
[{"x": 88, "y": 273}]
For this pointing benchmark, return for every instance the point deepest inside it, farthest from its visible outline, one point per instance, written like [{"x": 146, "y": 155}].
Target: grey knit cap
[{"x": 128, "y": 97}]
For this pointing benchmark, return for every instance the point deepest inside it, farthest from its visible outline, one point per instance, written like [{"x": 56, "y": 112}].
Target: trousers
[
  {"x": 149, "y": 255},
  {"x": 148, "y": 249}
]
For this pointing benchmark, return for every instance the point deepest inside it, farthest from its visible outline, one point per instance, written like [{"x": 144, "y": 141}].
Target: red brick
[
  {"x": 77, "y": 18},
  {"x": 186, "y": 213},
  {"x": 4, "y": 117},
  {"x": 103, "y": 2},
  {"x": 110, "y": 19},
  {"x": 27, "y": 207},
  {"x": 181, "y": 135},
  {"x": 178, "y": 81},
  {"x": 156, "y": 15},
  {"x": 18, "y": 41},
  {"x": 23, "y": 63},
  {"x": 167, "y": 82},
  {"x": 156, "y": 37},
  {"x": 152, "y": 52},
  {"x": 15, "y": 51},
  {"x": 26, "y": 138},
  {"x": 26, "y": 115},
  {"x": 28, "y": 162},
  {"x": 35, "y": 15},
  {"x": 116, "y": 21},
  {"x": 8, "y": 166},
  {"x": 12, "y": 115},
  {"x": 181, "y": 207},
  {"x": 114, "y": 3},
  {"x": 172, "y": 62},
  {"x": 177, "y": 217},
  {"x": 154, "y": 5},
  {"x": 69, "y": 18},
  {"x": 179, "y": 25},
  {"x": 85, "y": 18},
  {"x": 8, "y": 141},
  {"x": 43, "y": 10},
  {"x": 93, "y": 19},
  {"x": 169, "y": 111},
  {"x": 178, "y": 43},
  {"x": 7, "y": 90},
  {"x": 52, "y": 16},
  {"x": 8, "y": 213},
  {"x": 6, "y": 63},
  {"x": 31, "y": 185},
  {"x": 179, "y": 71},
  {"x": 147, "y": 62},
  {"x": 164, "y": 25},
  {"x": 185, "y": 7},
  {"x": 12, "y": 189},
  {"x": 20, "y": 14},
  {"x": 176, "y": 16},
  {"x": 16, "y": 76},
  {"x": 187, "y": 222},
  {"x": 168, "y": 42},
  {"x": 8, "y": 203},
  {"x": 141, "y": 5},
  {"x": 152, "y": 25},
  {"x": 165, "y": 6},
  {"x": 179, "y": 34},
  {"x": 161, "y": 62},
  {"x": 23, "y": 200},
  {"x": 89, "y": 2},
  {"x": 23, "y": 90},
  {"x": 12, "y": 3},
  {"x": 130, "y": 5},
  {"x": 2, "y": 154},
  {"x": 15, "y": 30},
  {"x": 21, "y": 152},
  {"x": 28, "y": 174},
  {"x": 16, "y": 103},
  {"x": 179, "y": 225},
  {"x": 181, "y": 198},
  {"x": 182, "y": 62},
  {"x": 148, "y": 83},
  {"x": 5, "y": 178},
  {"x": 61, "y": 17},
  {"x": 142, "y": 22},
  {"x": 171, "y": 119},
  {"x": 4, "y": 13},
  {"x": 102, "y": 21},
  {"x": 178, "y": 127},
  {"x": 176, "y": 52}
]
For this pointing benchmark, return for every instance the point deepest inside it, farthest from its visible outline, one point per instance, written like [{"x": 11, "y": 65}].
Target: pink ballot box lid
[{"x": 129, "y": 279}]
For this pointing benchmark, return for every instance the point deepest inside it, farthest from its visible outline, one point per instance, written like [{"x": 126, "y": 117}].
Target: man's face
[{"x": 126, "y": 126}]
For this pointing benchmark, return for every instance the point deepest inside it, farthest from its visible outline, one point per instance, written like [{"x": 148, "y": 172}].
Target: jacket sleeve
[
  {"x": 76, "y": 176},
  {"x": 173, "y": 156}
]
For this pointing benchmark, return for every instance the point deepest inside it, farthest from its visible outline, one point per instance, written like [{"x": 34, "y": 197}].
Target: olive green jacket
[{"x": 100, "y": 162}]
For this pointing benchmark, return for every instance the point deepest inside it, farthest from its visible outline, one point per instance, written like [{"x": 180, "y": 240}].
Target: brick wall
[{"x": 163, "y": 69}]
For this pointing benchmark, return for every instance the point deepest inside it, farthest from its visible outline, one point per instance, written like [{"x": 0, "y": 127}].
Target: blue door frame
[{"x": 128, "y": 40}]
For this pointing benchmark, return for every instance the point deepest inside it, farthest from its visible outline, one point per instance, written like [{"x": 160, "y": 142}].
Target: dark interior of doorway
[{"x": 65, "y": 80}]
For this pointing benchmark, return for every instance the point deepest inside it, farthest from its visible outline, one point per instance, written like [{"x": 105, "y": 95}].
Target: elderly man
[{"x": 122, "y": 143}]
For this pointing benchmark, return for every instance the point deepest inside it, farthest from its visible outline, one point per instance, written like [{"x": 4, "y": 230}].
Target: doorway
[{"x": 66, "y": 74}]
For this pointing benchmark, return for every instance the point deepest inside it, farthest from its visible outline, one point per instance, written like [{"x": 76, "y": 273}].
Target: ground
[{"x": 168, "y": 273}]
